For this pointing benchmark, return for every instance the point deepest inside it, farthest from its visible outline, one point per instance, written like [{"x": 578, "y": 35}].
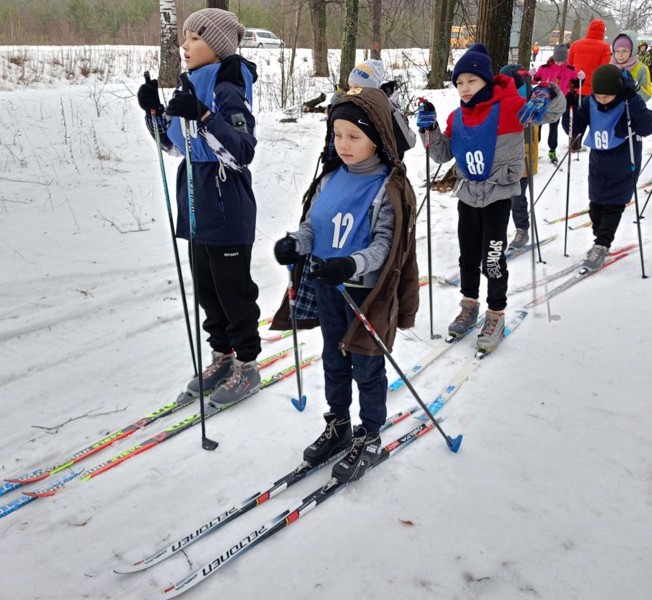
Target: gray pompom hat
[{"x": 220, "y": 29}]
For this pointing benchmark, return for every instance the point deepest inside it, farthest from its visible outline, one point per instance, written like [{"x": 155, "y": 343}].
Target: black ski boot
[
  {"x": 336, "y": 437},
  {"x": 364, "y": 454}
]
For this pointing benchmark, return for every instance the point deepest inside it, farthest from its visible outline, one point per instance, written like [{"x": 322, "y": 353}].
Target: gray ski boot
[
  {"x": 521, "y": 238},
  {"x": 242, "y": 381},
  {"x": 595, "y": 257},
  {"x": 214, "y": 374},
  {"x": 492, "y": 331},
  {"x": 467, "y": 318}
]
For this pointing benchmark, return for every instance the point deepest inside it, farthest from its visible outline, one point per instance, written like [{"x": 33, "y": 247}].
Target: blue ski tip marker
[
  {"x": 454, "y": 444},
  {"x": 300, "y": 405}
]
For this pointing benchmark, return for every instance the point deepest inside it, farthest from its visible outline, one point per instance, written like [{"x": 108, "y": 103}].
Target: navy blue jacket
[
  {"x": 611, "y": 180},
  {"x": 224, "y": 203}
]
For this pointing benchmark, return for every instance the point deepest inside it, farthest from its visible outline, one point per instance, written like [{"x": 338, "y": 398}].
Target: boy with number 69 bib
[{"x": 485, "y": 137}]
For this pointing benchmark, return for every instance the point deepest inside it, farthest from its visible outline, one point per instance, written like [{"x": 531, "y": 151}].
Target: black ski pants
[
  {"x": 520, "y": 208},
  {"x": 482, "y": 234},
  {"x": 228, "y": 296},
  {"x": 605, "y": 219}
]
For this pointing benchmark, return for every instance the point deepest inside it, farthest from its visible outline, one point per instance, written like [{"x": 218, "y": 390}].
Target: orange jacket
[{"x": 590, "y": 52}]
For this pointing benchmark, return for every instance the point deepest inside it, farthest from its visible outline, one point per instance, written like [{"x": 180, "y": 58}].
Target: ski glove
[
  {"x": 426, "y": 116},
  {"x": 148, "y": 98},
  {"x": 536, "y": 106},
  {"x": 186, "y": 106},
  {"x": 285, "y": 251},
  {"x": 631, "y": 86},
  {"x": 334, "y": 271}
]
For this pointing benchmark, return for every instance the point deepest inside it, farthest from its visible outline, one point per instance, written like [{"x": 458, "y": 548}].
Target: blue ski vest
[
  {"x": 204, "y": 80},
  {"x": 602, "y": 134},
  {"x": 340, "y": 215},
  {"x": 474, "y": 147}
]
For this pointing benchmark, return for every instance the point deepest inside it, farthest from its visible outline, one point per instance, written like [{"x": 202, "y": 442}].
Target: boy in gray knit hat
[{"x": 221, "y": 237}]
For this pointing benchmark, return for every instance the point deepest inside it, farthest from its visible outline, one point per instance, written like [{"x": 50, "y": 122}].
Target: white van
[{"x": 261, "y": 38}]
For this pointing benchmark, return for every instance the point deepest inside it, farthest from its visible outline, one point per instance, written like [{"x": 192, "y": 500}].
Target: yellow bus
[
  {"x": 462, "y": 36},
  {"x": 553, "y": 39}
]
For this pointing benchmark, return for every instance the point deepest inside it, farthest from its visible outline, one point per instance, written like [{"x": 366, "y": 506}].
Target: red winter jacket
[{"x": 590, "y": 52}]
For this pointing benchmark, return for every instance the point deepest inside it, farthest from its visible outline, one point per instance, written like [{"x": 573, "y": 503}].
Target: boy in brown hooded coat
[{"x": 357, "y": 230}]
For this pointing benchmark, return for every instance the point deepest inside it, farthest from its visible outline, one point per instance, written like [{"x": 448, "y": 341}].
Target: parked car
[{"x": 261, "y": 38}]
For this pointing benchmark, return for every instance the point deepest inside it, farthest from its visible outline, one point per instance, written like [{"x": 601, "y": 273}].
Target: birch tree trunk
[
  {"x": 170, "y": 63},
  {"x": 319, "y": 48},
  {"x": 349, "y": 38}
]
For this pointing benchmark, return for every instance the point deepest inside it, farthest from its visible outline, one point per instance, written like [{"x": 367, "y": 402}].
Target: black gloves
[
  {"x": 285, "y": 251},
  {"x": 148, "y": 97},
  {"x": 334, "y": 271},
  {"x": 186, "y": 106}
]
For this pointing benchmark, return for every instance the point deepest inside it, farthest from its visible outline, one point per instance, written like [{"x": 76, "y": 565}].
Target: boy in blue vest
[
  {"x": 611, "y": 180},
  {"x": 485, "y": 137},
  {"x": 222, "y": 146},
  {"x": 358, "y": 227}
]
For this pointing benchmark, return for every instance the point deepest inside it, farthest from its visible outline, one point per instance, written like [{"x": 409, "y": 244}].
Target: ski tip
[
  {"x": 454, "y": 443},
  {"x": 300, "y": 405}
]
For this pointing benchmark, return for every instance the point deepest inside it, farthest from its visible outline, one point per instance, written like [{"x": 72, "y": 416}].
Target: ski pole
[
  {"x": 630, "y": 135},
  {"x": 186, "y": 86},
  {"x": 640, "y": 216},
  {"x": 581, "y": 75},
  {"x": 424, "y": 102},
  {"x": 571, "y": 141},
  {"x": 426, "y": 197},
  {"x": 452, "y": 443},
  {"x": 175, "y": 246},
  {"x": 300, "y": 402}
]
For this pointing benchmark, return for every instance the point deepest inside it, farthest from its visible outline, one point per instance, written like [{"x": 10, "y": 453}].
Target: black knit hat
[
  {"x": 608, "y": 80},
  {"x": 349, "y": 111}
]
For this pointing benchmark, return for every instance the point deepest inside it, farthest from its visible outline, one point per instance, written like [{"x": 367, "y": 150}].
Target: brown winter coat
[{"x": 394, "y": 300}]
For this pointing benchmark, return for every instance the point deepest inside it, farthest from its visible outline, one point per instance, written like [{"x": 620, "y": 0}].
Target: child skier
[
  {"x": 357, "y": 229},
  {"x": 611, "y": 179},
  {"x": 222, "y": 145},
  {"x": 558, "y": 71},
  {"x": 624, "y": 58},
  {"x": 485, "y": 137}
]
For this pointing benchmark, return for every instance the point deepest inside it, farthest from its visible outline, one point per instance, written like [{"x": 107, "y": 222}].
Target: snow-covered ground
[{"x": 550, "y": 496}]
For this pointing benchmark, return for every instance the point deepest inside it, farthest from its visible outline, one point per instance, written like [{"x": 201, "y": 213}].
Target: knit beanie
[
  {"x": 368, "y": 74},
  {"x": 475, "y": 60},
  {"x": 518, "y": 74},
  {"x": 607, "y": 80},
  {"x": 220, "y": 29},
  {"x": 622, "y": 41},
  {"x": 349, "y": 111},
  {"x": 560, "y": 53}
]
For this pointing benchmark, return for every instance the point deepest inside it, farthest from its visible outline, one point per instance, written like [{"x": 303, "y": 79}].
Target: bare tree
[
  {"x": 349, "y": 38},
  {"x": 494, "y": 27},
  {"x": 527, "y": 26},
  {"x": 376, "y": 44},
  {"x": 319, "y": 48},
  {"x": 223, "y": 4},
  {"x": 170, "y": 64},
  {"x": 440, "y": 41}
]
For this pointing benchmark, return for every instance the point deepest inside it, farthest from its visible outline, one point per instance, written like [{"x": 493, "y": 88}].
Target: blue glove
[
  {"x": 630, "y": 86},
  {"x": 536, "y": 106},
  {"x": 426, "y": 115}
]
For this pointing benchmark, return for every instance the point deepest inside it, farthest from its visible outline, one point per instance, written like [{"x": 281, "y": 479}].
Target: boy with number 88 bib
[{"x": 485, "y": 137}]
